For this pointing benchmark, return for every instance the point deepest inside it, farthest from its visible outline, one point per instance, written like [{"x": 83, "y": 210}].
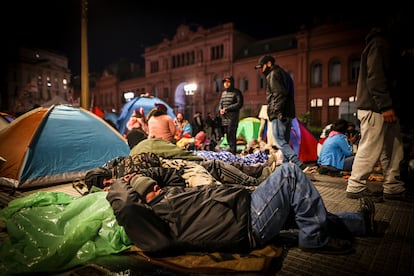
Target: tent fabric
[
  {"x": 248, "y": 128},
  {"x": 303, "y": 142},
  {"x": 5, "y": 119},
  {"x": 147, "y": 103},
  {"x": 47, "y": 146}
]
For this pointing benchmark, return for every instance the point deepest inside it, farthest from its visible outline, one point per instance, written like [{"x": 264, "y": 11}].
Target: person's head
[
  {"x": 200, "y": 138},
  {"x": 180, "y": 117},
  {"x": 160, "y": 109},
  {"x": 228, "y": 82},
  {"x": 340, "y": 125},
  {"x": 135, "y": 136},
  {"x": 99, "y": 177},
  {"x": 265, "y": 63}
]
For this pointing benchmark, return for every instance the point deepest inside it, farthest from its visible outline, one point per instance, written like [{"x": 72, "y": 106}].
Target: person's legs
[
  {"x": 391, "y": 159},
  {"x": 289, "y": 188},
  {"x": 369, "y": 150},
  {"x": 226, "y": 173},
  {"x": 348, "y": 163},
  {"x": 232, "y": 138},
  {"x": 281, "y": 132}
]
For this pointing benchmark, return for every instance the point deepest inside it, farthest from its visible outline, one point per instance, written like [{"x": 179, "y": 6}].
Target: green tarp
[{"x": 52, "y": 231}]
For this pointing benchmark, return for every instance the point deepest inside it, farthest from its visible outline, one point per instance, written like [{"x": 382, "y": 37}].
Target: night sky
[{"x": 123, "y": 28}]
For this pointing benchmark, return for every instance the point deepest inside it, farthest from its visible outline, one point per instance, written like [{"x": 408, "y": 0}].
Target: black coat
[{"x": 204, "y": 218}]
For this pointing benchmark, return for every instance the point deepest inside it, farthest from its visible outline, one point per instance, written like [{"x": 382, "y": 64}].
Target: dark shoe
[
  {"x": 305, "y": 168},
  {"x": 375, "y": 196},
  {"x": 403, "y": 196},
  {"x": 333, "y": 247},
  {"x": 367, "y": 209}
]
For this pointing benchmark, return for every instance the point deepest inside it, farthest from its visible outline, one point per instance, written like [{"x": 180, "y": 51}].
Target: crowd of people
[{"x": 164, "y": 211}]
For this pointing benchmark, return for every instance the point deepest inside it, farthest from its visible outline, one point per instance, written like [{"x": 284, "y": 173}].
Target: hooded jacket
[{"x": 232, "y": 100}]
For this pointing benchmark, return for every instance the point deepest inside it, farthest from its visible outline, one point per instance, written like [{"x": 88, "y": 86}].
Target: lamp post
[{"x": 189, "y": 93}]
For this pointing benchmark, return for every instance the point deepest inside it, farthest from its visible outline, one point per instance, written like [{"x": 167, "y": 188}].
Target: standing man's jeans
[
  {"x": 281, "y": 133},
  {"x": 289, "y": 189}
]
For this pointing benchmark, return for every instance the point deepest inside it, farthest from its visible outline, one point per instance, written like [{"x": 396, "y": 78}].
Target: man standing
[
  {"x": 231, "y": 102},
  {"x": 280, "y": 106},
  {"x": 381, "y": 138}
]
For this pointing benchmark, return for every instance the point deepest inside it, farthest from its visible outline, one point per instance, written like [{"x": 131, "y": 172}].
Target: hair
[{"x": 340, "y": 125}]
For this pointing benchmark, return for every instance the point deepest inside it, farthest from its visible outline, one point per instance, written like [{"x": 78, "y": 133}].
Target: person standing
[
  {"x": 379, "y": 123},
  {"x": 280, "y": 106},
  {"x": 231, "y": 102}
]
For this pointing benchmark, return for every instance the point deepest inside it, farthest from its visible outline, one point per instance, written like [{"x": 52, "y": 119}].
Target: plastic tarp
[{"x": 53, "y": 231}]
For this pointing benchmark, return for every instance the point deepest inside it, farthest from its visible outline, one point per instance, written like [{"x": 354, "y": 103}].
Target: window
[
  {"x": 218, "y": 84},
  {"x": 354, "y": 64},
  {"x": 334, "y": 72},
  {"x": 316, "y": 111},
  {"x": 217, "y": 52},
  {"x": 166, "y": 92},
  {"x": 316, "y": 75},
  {"x": 154, "y": 66},
  {"x": 243, "y": 84},
  {"x": 333, "y": 108},
  {"x": 262, "y": 82}
]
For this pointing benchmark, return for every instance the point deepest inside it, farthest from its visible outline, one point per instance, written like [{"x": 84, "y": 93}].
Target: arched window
[
  {"x": 334, "y": 72},
  {"x": 316, "y": 74}
]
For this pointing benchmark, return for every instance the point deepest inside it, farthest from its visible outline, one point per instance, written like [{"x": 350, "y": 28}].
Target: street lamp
[
  {"x": 190, "y": 88},
  {"x": 189, "y": 92}
]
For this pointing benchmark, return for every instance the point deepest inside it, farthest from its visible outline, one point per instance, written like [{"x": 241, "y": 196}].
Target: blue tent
[
  {"x": 147, "y": 103},
  {"x": 47, "y": 146}
]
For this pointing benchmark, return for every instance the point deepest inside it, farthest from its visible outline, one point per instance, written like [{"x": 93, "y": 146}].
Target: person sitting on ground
[
  {"x": 174, "y": 220},
  {"x": 137, "y": 121},
  {"x": 336, "y": 156},
  {"x": 161, "y": 125},
  {"x": 184, "y": 129}
]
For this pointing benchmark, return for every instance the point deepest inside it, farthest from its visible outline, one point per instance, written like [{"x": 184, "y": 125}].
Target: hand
[
  {"x": 129, "y": 176},
  {"x": 222, "y": 111},
  {"x": 389, "y": 116}
]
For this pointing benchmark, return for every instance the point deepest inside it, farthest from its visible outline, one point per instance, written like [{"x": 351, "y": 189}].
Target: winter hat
[
  {"x": 95, "y": 177},
  {"x": 135, "y": 136},
  {"x": 264, "y": 60},
  {"x": 201, "y": 135},
  {"x": 141, "y": 184}
]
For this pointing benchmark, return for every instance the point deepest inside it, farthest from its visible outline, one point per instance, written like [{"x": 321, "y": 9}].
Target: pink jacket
[{"x": 161, "y": 127}]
